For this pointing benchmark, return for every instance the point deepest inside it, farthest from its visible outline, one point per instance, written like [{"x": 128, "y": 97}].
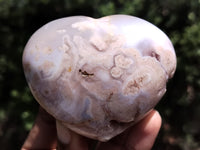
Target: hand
[{"x": 139, "y": 137}]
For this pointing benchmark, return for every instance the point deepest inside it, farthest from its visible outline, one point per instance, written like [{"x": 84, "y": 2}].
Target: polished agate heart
[{"x": 98, "y": 77}]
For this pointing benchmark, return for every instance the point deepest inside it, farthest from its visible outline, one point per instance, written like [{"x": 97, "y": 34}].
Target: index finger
[{"x": 42, "y": 134}]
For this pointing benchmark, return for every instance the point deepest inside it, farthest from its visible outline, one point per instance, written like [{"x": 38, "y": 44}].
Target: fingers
[
  {"x": 143, "y": 135},
  {"x": 69, "y": 140},
  {"x": 42, "y": 134},
  {"x": 139, "y": 137}
]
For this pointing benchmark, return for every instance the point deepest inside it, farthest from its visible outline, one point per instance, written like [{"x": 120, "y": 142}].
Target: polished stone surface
[{"x": 98, "y": 77}]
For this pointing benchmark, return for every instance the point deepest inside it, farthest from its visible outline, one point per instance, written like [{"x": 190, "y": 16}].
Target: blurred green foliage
[{"x": 180, "y": 20}]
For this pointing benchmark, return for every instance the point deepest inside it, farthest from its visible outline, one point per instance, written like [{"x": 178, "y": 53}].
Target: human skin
[{"x": 139, "y": 137}]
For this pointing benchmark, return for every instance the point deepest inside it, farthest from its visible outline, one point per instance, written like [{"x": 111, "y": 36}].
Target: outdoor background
[{"x": 179, "y": 19}]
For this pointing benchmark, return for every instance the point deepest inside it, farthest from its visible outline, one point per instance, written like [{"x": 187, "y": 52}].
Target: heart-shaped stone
[{"x": 98, "y": 77}]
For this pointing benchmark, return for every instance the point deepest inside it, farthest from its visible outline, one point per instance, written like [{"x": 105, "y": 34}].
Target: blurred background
[{"x": 179, "y": 19}]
